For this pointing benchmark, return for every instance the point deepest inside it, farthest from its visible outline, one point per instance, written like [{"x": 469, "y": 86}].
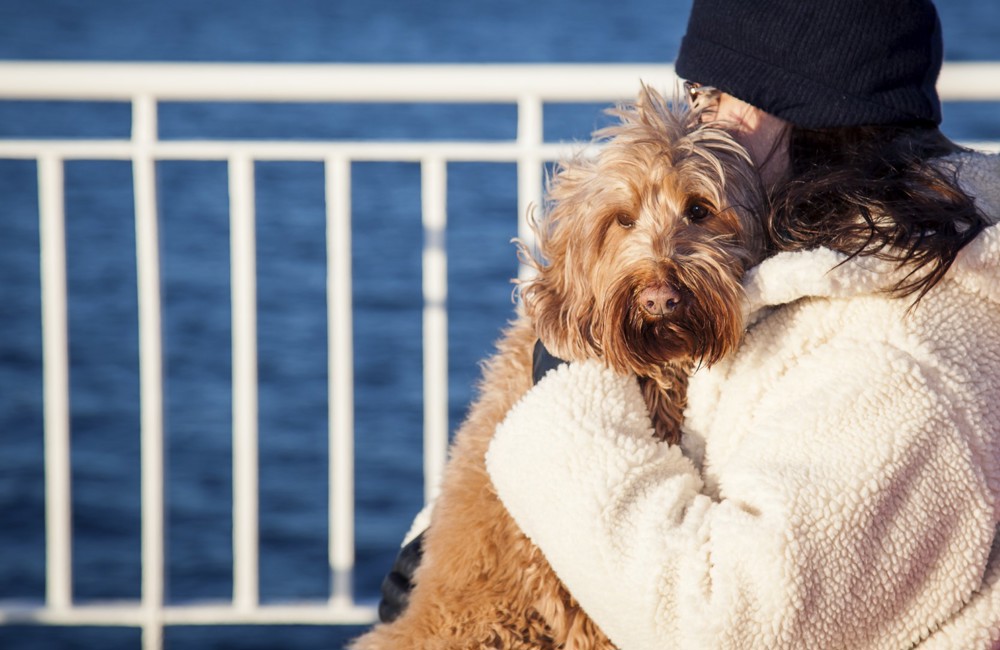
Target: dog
[{"x": 642, "y": 248}]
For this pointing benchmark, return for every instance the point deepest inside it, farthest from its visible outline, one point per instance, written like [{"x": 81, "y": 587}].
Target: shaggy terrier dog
[{"x": 645, "y": 244}]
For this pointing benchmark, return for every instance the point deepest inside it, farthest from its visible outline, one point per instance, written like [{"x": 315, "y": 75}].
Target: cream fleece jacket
[{"x": 839, "y": 481}]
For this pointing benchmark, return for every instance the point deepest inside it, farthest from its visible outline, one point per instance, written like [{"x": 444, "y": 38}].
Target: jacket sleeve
[{"x": 856, "y": 516}]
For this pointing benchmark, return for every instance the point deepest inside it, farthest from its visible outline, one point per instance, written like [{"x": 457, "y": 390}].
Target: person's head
[
  {"x": 836, "y": 102},
  {"x": 814, "y": 65},
  {"x": 819, "y": 64}
]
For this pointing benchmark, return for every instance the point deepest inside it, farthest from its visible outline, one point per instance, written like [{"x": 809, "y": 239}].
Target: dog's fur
[{"x": 645, "y": 244}]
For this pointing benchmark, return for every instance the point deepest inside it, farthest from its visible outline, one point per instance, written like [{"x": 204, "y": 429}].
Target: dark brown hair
[{"x": 875, "y": 190}]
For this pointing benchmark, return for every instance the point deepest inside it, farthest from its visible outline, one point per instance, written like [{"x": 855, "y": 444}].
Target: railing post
[
  {"x": 244, "y": 333},
  {"x": 144, "y": 135},
  {"x": 434, "y": 192},
  {"x": 340, "y": 382},
  {"x": 58, "y": 504},
  {"x": 530, "y": 137}
]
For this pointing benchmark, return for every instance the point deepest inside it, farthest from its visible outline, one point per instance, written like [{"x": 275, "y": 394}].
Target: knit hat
[{"x": 819, "y": 63}]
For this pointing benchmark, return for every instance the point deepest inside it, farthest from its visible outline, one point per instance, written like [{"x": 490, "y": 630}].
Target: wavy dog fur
[{"x": 645, "y": 244}]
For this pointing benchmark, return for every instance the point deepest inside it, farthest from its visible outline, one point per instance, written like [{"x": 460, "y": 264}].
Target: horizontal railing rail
[
  {"x": 967, "y": 81},
  {"x": 145, "y": 86}
]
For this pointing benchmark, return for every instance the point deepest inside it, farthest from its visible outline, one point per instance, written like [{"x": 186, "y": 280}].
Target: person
[{"x": 838, "y": 483}]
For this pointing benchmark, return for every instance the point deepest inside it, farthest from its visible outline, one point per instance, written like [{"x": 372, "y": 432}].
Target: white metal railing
[{"x": 529, "y": 87}]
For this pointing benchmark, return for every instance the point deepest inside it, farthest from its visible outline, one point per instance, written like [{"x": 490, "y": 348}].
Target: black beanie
[{"x": 819, "y": 63}]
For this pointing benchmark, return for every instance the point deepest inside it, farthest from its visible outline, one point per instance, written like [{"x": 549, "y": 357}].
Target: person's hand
[{"x": 398, "y": 584}]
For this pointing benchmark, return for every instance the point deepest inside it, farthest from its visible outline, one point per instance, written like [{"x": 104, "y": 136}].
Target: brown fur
[{"x": 616, "y": 224}]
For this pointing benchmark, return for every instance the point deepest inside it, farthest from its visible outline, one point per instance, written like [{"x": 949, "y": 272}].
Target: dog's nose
[{"x": 660, "y": 299}]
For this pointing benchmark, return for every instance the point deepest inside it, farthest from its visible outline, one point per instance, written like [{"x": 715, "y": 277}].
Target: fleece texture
[{"x": 838, "y": 485}]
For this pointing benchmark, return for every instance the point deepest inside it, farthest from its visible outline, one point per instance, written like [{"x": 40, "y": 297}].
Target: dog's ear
[{"x": 559, "y": 299}]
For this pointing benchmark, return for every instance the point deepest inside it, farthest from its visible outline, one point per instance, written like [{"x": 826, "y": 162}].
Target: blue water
[{"x": 291, "y": 259}]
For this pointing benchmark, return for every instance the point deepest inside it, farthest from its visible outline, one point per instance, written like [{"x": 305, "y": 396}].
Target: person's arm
[
  {"x": 856, "y": 516},
  {"x": 398, "y": 583}
]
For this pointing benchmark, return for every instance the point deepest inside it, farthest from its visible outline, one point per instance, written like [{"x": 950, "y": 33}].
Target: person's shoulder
[{"x": 978, "y": 174}]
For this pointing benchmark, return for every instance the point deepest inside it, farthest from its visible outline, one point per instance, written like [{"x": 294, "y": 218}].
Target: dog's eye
[
  {"x": 697, "y": 211},
  {"x": 625, "y": 220}
]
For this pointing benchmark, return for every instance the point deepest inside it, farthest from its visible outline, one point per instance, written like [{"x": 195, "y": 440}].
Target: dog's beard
[{"x": 704, "y": 326}]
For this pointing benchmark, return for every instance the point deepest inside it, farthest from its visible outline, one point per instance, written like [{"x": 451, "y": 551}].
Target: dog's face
[{"x": 646, "y": 243}]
